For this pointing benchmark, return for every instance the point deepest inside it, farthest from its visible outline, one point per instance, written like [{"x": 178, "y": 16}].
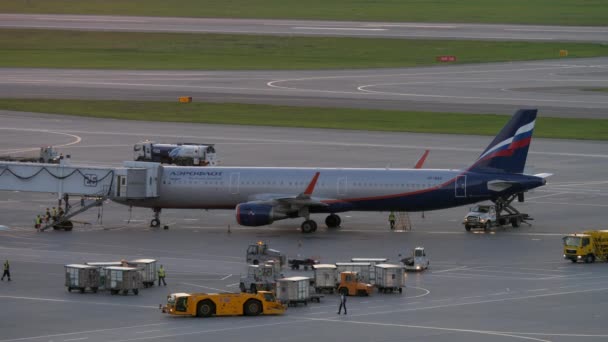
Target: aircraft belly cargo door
[{"x": 461, "y": 186}]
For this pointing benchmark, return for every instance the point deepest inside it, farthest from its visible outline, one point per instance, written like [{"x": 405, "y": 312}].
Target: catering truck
[
  {"x": 587, "y": 246},
  {"x": 223, "y": 304}
]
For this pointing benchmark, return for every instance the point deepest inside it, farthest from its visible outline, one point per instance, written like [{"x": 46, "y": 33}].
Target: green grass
[
  {"x": 266, "y": 115},
  {"x": 548, "y": 12},
  {"x": 605, "y": 90},
  {"x": 126, "y": 50}
]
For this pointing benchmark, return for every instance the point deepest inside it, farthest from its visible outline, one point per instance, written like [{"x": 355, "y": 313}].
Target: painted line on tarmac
[
  {"x": 82, "y": 332},
  {"x": 56, "y": 300},
  {"x": 76, "y": 140},
  {"x": 76, "y": 339}
]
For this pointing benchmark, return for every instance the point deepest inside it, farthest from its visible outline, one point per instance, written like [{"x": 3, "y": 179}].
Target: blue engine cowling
[{"x": 256, "y": 214}]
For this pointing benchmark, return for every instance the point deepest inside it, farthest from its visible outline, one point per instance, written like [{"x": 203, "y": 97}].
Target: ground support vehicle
[
  {"x": 123, "y": 279},
  {"x": 187, "y": 154},
  {"x": 259, "y": 253},
  {"x": 294, "y": 290},
  {"x": 588, "y": 246},
  {"x": 500, "y": 214},
  {"x": 81, "y": 277},
  {"x": 390, "y": 278},
  {"x": 351, "y": 285},
  {"x": 101, "y": 268},
  {"x": 326, "y": 278},
  {"x": 259, "y": 277},
  {"x": 223, "y": 304},
  {"x": 147, "y": 268},
  {"x": 363, "y": 269},
  {"x": 47, "y": 155},
  {"x": 417, "y": 262},
  {"x": 372, "y": 262},
  {"x": 307, "y": 263}
]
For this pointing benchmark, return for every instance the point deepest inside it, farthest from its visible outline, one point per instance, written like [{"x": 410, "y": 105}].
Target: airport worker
[
  {"x": 391, "y": 219},
  {"x": 342, "y": 303},
  {"x": 161, "y": 275},
  {"x": 7, "y": 271},
  {"x": 66, "y": 199},
  {"x": 38, "y": 221},
  {"x": 54, "y": 214},
  {"x": 47, "y": 215},
  {"x": 60, "y": 213}
]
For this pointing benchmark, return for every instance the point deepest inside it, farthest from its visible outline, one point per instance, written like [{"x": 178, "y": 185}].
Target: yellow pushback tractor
[
  {"x": 223, "y": 304},
  {"x": 587, "y": 246}
]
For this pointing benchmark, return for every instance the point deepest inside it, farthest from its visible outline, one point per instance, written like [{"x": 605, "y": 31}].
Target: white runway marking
[
  {"x": 82, "y": 332},
  {"x": 77, "y": 339},
  {"x": 76, "y": 140},
  {"x": 337, "y": 28}
]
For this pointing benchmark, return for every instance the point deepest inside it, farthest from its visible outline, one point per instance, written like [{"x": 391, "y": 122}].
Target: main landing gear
[
  {"x": 310, "y": 226},
  {"x": 155, "y": 223}
]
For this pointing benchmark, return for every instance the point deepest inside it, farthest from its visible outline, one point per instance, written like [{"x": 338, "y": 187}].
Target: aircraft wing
[{"x": 291, "y": 202}]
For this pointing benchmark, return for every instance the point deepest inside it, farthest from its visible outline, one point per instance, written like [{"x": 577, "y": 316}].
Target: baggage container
[
  {"x": 293, "y": 290},
  {"x": 101, "y": 265},
  {"x": 147, "y": 268},
  {"x": 362, "y": 269},
  {"x": 81, "y": 277},
  {"x": 390, "y": 278},
  {"x": 373, "y": 262},
  {"x": 326, "y": 277},
  {"x": 123, "y": 279}
]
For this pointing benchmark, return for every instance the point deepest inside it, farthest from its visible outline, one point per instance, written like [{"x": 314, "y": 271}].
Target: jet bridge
[{"x": 135, "y": 180}]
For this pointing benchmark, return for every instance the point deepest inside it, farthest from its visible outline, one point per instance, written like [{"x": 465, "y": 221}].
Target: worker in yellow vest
[
  {"x": 38, "y": 222},
  {"x": 391, "y": 220},
  {"x": 161, "y": 275},
  {"x": 7, "y": 271}
]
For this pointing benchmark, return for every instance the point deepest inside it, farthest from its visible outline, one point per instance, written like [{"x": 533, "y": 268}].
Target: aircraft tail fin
[{"x": 509, "y": 150}]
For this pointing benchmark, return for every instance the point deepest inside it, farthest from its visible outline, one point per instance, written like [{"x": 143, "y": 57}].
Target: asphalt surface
[
  {"x": 308, "y": 28},
  {"x": 561, "y": 87},
  {"x": 509, "y": 284}
]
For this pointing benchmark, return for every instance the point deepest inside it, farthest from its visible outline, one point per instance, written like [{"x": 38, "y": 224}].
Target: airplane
[{"x": 263, "y": 195}]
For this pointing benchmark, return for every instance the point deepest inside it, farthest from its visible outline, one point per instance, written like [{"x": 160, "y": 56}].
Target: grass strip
[
  {"x": 538, "y": 12},
  {"x": 284, "y": 116},
  {"x": 131, "y": 50}
]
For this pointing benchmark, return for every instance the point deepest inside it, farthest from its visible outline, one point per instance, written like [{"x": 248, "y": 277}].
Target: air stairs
[
  {"x": 85, "y": 204},
  {"x": 403, "y": 223}
]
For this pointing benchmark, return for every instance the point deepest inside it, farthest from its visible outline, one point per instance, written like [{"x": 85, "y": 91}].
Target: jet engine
[{"x": 257, "y": 214}]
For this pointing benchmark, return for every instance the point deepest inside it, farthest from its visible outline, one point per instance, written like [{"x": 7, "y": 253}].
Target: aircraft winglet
[
  {"x": 311, "y": 186},
  {"x": 421, "y": 160}
]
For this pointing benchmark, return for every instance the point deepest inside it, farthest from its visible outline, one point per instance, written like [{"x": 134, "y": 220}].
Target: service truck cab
[
  {"x": 351, "y": 286},
  {"x": 259, "y": 253},
  {"x": 223, "y": 304}
]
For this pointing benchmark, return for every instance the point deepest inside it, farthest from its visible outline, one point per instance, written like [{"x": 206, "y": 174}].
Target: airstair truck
[
  {"x": 223, "y": 304},
  {"x": 587, "y": 246}
]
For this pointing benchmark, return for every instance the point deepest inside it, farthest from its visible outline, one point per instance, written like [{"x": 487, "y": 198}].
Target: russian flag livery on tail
[
  {"x": 509, "y": 150},
  {"x": 262, "y": 195}
]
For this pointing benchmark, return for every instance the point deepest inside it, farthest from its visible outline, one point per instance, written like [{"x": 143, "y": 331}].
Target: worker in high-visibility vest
[
  {"x": 38, "y": 222},
  {"x": 54, "y": 213},
  {"x": 7, "y": 271},
  {"x": 161, "y": 275},
  {"x": 391, "y": 219}
]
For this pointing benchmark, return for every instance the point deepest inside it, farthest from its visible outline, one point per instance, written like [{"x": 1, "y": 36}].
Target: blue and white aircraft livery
[{"x": 262, "y": 195}]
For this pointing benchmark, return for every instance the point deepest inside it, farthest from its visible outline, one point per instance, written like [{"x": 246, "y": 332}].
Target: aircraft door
[
  {"x": 461, "y": 186},
  {"x": 342, "y": 183},
  {"x": 235, "y": 178}
]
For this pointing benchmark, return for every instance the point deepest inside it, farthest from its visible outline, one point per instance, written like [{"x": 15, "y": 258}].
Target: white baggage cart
[
  {"x": 293, "y": 290},
  {"x": 147, "y": 268},
  {"x": 326, "y": 278},
  {"x": 81, "y": 277},
  {"x": 101, "y": 265},
  {"x": 123, "y": 279},
  {"x": 390, "y": 278},
  {"x": 373, "y": 262}
]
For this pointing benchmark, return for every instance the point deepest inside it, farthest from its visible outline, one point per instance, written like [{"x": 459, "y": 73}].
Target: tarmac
[{"x": 504, "y": 285}]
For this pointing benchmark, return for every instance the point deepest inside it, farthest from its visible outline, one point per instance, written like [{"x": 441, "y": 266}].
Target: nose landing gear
[{"x": 155, "y": 223}]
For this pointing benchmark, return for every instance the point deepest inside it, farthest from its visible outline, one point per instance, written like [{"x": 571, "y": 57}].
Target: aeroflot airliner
[{"x": 262, "y": 195}]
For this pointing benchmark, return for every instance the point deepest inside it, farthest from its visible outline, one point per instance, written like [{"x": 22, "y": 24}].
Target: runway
[
  {"x": 506, "y": 285},
  {"x": 309, "y": 28},
  {"x": 560, "y": 87}
]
